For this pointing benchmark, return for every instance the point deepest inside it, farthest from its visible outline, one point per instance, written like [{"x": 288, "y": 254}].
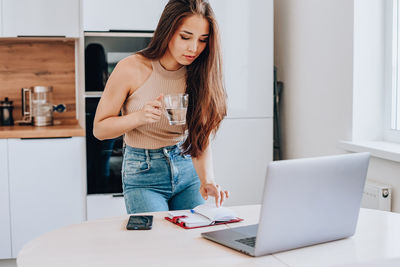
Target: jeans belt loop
[
  {"x": 165, "y": 151},
  {"x": 146, "y": 151}
]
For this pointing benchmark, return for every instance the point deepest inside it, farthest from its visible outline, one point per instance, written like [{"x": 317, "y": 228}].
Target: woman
[{"x": 168, "y": 167}]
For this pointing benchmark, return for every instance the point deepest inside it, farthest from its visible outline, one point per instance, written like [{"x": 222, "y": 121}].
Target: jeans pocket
[
  {"x": 135, "y": 172},
  {"x": 133, "y": 167}
]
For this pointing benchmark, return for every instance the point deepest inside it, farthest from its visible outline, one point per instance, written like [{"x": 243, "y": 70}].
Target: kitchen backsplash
[{"x": 26, "y": 62}]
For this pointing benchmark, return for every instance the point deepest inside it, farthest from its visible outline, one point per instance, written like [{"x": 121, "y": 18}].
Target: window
[
  {"x": 376, "y": 79},
  {"x": 392, "y": 114},
  {"x": 394, "y": 95}
]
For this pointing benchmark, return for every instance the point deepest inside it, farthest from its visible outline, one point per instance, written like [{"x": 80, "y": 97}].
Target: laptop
[{"x": 305, "y": 202}]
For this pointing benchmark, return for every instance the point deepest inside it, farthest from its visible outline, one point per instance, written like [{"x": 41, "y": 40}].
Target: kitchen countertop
[{"x": 59, "y": 129}]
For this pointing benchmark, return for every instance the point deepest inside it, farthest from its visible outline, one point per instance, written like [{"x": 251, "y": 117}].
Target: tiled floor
[{"x": 8, "y": 263}]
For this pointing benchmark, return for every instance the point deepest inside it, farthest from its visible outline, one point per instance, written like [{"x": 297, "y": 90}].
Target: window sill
[{"x": 379, "y": 149}]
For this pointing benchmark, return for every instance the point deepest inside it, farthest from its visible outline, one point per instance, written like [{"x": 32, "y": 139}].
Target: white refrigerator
[{"x": 243, "y": 146}]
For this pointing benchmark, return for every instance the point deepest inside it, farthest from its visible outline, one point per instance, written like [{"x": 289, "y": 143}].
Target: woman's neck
[{"x": 169, "y": 63}]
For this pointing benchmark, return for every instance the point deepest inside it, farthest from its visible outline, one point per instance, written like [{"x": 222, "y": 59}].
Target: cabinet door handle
[
  {"x": 38, "y": 138},
  {"x": 41, "y": 36},
  {"x": 134, "y": 31},
  {"x": 118, "y": 195}
]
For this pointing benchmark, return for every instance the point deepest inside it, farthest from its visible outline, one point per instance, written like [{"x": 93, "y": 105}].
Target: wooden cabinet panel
[
  {"x": 5, "y": 239},
  {"x": 46, "y": 186},
  {"x": 41, "y": 18}
]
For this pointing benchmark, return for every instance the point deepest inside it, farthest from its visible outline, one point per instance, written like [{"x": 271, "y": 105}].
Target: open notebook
[{"x": 202, "y": 215}]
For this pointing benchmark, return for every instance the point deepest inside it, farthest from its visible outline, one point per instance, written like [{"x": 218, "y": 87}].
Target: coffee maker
[
  {"x": 6, "y": 108},
  {"x": 37, "y": 107}
]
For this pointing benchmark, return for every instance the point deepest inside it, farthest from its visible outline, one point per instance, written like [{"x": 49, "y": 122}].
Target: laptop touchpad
[{"x": 249, "y": 230}]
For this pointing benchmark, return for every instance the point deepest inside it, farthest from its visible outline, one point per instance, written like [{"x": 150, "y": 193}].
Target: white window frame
[
  {"x": 392, "y": 73},
  {"x": 372, "y": 81}
]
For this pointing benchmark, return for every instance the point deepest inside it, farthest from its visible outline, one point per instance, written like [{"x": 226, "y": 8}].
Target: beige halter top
[{"x": 158, "y": 134}]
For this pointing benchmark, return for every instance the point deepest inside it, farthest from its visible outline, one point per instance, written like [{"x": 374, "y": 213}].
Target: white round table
[{"x": 106, "y": 242}]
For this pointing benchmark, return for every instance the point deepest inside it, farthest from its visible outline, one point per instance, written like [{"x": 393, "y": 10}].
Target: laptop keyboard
[{"x": 249, "y": 241}]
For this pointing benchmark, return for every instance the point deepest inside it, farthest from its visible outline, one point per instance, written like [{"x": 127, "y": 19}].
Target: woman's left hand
[{"x": 214, "y": 190}]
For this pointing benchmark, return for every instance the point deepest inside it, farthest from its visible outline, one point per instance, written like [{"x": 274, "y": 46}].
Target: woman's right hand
[{"x": 151, "y": 111}]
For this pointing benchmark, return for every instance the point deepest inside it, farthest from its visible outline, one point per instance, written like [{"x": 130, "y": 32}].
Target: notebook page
[
  {"x": 214, "y": 213},
  {"x": 194, "y": 220}
]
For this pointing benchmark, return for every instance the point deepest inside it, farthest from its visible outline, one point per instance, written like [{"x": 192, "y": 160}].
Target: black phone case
[{"x": 140, "y": 222}]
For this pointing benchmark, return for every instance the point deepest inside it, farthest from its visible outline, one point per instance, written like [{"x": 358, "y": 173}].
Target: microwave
[{"x": 103, "y": 50}]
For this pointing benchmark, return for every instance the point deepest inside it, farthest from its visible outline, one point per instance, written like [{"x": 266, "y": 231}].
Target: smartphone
[{"x": 140, "y": 222}]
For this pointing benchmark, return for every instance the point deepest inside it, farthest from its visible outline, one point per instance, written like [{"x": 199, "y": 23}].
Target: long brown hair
[{"x": 207, "y": 97}]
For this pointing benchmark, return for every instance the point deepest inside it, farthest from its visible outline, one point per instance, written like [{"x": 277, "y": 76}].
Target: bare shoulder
[
  {"x": 136, "y": 62},
  {"x": 136, "y": 68}
]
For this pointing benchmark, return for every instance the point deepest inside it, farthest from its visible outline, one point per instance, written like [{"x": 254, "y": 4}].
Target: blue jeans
[{"x": 159, "y": 180}]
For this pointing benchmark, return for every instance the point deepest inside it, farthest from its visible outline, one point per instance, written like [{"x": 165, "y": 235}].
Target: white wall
[{"x": 314, "y": 56}]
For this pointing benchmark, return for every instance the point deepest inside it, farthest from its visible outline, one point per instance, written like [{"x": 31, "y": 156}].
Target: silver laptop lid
[{"x": 310, "y": 201}]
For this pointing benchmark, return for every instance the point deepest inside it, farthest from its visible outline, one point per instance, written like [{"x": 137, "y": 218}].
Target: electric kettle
[{"x": 37, "y": 107}]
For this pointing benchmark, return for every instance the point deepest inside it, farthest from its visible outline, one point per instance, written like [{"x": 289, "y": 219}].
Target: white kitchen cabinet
[
  {"x": 243, "y": 146},
  {"x": 125, "y": 15},
  {"x": 246, "y": 29},
  {"x": 105, "y": 205},
  {"x": 242, "y": 150},
  {"x": 46, "y": 186},
  {"x": 5, "y": 237},
  {"x": 1, "y": 18},
  {"x": 41, "y": 18}
]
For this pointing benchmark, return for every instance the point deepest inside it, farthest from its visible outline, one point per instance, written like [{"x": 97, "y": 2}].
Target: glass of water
[{"x": 175, "y": 108}]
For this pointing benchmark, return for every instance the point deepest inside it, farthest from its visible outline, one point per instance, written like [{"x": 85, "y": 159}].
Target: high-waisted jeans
[{"x": 159, "y": 180}]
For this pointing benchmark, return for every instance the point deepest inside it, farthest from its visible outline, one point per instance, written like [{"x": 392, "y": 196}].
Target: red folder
[{"x": 176, "y": 221}]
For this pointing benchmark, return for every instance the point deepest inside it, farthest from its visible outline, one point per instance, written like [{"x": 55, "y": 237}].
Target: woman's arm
[
  {"x": 205, "y": 170},
  {"x": 107, "y": 122}
]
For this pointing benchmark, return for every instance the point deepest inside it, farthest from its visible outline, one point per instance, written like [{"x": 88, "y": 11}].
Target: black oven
[
  {"x": 103, "y": 50},
  {"x": 103, "y": 158}
]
